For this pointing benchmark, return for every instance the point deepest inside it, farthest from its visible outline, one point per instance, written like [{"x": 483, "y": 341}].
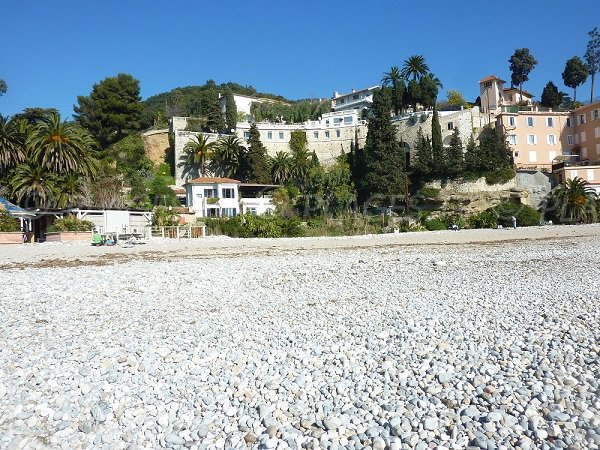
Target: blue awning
[{"x": 14, "y": 210}]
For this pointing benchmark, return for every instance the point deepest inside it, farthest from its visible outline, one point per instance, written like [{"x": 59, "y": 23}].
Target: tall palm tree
[
  {"x": 34, "y": 184},
  {"x": 225, "y": 160},
  {"x": 576, "y": 201},
  {"x": 281, "y": 167},
  {"x": 415, "y": 67},
  {"x": 196, "y": 153},
  {"x": 61, "y": 146},
  {"x": 12, "y": 142},
  {"x": 70, "y": 190},
  {"x": 300, "y": 166},
  {"x": 394, "y": 78}
]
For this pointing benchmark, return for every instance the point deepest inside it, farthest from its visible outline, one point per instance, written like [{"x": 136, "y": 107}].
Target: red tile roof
[
  {"x": 491, "y": 78},
  {"x": 178, "y": 190},
  {"x": 202, "y": 180},
  {"x": 528, "y": 94}
]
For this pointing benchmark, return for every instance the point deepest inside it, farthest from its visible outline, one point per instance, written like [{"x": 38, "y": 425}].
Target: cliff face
[
  {"x": 467, "y": 198},
  {"x": 156, "y": 145}
]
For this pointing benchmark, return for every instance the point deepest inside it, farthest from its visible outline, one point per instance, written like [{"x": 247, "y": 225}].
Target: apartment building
[{"x": 537, "y": 137}]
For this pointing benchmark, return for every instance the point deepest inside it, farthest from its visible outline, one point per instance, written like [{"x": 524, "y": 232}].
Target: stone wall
[
  {"x": 538, "y": 184},
  {"x": 156, "y": 145}
]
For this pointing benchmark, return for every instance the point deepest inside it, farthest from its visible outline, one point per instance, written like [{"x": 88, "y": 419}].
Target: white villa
[
  {"x": 354, "y": 101},
  {"x": 226, "y": 197}
]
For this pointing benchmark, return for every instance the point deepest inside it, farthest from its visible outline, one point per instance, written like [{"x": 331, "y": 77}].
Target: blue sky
[{"x": 54, "y": 51}]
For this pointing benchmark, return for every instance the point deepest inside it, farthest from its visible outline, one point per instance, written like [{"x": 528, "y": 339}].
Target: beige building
[
  {"x": 496, "y": 98},
  {"x": 536, "y": 137},
  {"x": 583, "y": 159}
]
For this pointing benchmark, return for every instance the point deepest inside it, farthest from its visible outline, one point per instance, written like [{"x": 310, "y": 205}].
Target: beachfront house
[{"x": 226, "y": 197}]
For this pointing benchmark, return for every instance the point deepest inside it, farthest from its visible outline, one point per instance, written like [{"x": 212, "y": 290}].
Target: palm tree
[
  {"x": 195, "y": 154},
  {"x": 281, "y": 167},
  {"x": 62, "y": 146},
  {"x": 226, "y": 156},
  {"x": 394, "y": 78},
  {"x": 12, "y": 142},
  {"x": 70, "y": 191},
  {"x": 576, "y": 201},
  {"x": 414, "y": 67},
  {"x": 34, "y": 184},
  {"x": 300, "y": 166}
]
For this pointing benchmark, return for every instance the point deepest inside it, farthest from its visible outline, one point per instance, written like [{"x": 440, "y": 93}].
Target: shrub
[
  {"x": 265, "y": 226},
  {"x": 484, "y": 219},
  {"x": 428, "y": 192},
  {"x": 435, "y": 224},
  {"x": 9, "y": 223},
  {"x": 526, "y": 216},
  {"x": 501, "y": 176},
  {"x": 71, "y": 223}
]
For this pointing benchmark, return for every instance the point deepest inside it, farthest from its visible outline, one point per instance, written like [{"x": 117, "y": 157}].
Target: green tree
[
  {"x": 215, "y": 121},
  {"x": 112, "y": 110},
  {"x": 281, "y": 167},
  {"x": 62, "y": 146},
  {"x": 196, "y": 152},
  {"x": 455, "y": 161},
  {"x": 230, "y": 111},
  {"x": 227, "y": 155},
  {"x": 413, "y": 93},
  {"x": 522, "y": 63},
  {"x": 394, "y": 79},
  {"x": 385, "y": 178},
  {"x": 35, "y": 115},
  {"x": 423, "y": 164},
  {"x": 576, "y": 201},
  {"x": 3, "y": 87},
  {"x": 34, "y": 185},
  {"x": 551, "y": 96},
  {"x": 437, "y": 147},
  {"x": 257, "y": 158},
  {"x": 592, "y": 57},
  {"x": 472, "y": 157},
  {"x": 455, "y": 98},
  {"x": 429, "y": 87},
  {"x": 12, "y": 143},
  {"x": 414, "y": 67},
  {"x": 575, "y": 74},
  {"x": 338, "y": 188}
]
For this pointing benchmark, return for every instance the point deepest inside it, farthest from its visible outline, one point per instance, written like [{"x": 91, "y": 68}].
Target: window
[
  {"x": 228, "y": 212},
  {"x": 597, "y": 132},
  {"x": 516, "y": 154},
  {"x": 337, "y": 133},
  {"x": 355, "y": 97},
  {"x": 531, "y": 139},
  {"x": 530, "y": 121},
  {"x": 316, "y": 134},
  {"x": 210, "y": 193},
  {"x": 550, "y": 122},
  {"x": 342, "y": 101},
  {"x": 532, "y": 156},
  {"x": 450, "y": 126},
  {"x": 551, "y": 139},
  {"x": 337, "y": 120},
  {"x": 487, "y": 84},
  {"x": 511, "y": 121},
  {"x": 581, "y": 119},
  {"x": 596, "y": 114},
  {"x": 246, "y": 135},
  {"x": 569, "y": 123},
  {"x": 251, "y": 211},
  {"x": 228, "y": 193},
  {"x": 348, "y": 119},
  {"x": 270, "y": 135},
  {"x": 583, "y": 137},
  {"x": 576, "y": 139},
  {"x": 570, "y": 139},
  {"x": 584, "y": 152},
  {"x": 512, "y": 139},
  {"x": 327, "y": 134},
  {"x": 281, "y": 135}
]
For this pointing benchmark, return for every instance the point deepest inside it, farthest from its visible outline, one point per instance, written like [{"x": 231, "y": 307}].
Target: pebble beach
[{"x": 482, "y": 339}]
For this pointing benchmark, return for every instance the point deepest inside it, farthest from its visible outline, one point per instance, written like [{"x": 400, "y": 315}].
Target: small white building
[
  {"x": 354, "y": 101},
  {"x": 226, "y": 197}
]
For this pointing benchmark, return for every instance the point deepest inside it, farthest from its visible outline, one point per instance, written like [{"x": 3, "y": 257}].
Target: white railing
[{"x": 179, "y": 232}]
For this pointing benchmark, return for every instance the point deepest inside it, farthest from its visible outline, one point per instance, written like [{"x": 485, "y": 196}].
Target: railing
[{"x": 179, "y": 232}]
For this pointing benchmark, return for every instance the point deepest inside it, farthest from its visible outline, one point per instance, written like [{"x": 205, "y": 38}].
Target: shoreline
[{"x": 76, "y": 254}]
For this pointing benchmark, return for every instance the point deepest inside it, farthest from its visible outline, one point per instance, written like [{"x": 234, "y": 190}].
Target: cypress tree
[
  {"x": 472, "y": 157},
  {"x": 455, "y": 155},
  {"x": 437, "y": 149},
  {"x": 424, "y": 162},
  {"x": 385, "y": 176},
  {"x": 230, "y": 111},
  {"x": 258, "y": 165},
  {"x": 211, "y": 109}
]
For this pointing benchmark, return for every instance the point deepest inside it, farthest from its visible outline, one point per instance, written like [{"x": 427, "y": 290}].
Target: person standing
[{"x": 514, "y": 222}]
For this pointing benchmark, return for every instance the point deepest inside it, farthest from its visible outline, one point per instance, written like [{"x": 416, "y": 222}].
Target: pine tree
[
  {"x": 437, "y": 148},
  {"x": 455, "y": 160},
  {"x": 472, "y": 157},
  {"x": 258, "y": 165},
  {"x": 230, "y": 111},
  {"x": 385, "y": 177},
  {"x": 211, "y": 109}
]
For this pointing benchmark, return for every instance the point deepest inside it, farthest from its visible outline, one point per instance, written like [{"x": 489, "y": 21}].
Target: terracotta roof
[
  {"x": 491, "y": 78},
  {"x": 202, "y": 180},
  {"x": 178, "y": 190},
  {"x": 181, "y": 210}
]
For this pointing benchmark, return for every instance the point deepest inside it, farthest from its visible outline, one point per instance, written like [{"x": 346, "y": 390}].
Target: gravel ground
[{"x": 493, "y": 346}]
